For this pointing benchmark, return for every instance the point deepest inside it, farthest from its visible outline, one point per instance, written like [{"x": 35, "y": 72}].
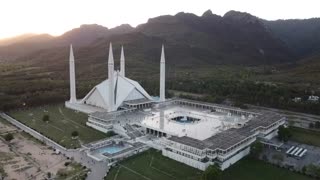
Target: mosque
[
  {"x": 195, "y": 133},
  {"x": 116, "y": 92}
]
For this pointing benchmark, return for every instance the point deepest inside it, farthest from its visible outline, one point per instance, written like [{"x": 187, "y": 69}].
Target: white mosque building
[
  {"x": 115, "y": 92},
  {"x": 195, "y": 133}
]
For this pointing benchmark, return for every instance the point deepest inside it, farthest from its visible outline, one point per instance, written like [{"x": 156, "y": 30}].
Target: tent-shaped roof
[{"x": 125, "y": 90}]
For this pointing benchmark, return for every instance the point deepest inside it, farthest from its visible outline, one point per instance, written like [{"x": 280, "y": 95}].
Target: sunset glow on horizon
[{"x": 57, "y": 16}]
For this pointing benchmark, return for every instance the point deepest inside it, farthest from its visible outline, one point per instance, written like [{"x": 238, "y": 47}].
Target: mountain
[
  {"x": 302, "y": 36},
  {"x": 82, "y": 36},
  {"x": 235, "y": 38},
  {"x": 236, "y": 46},
  {"x": 306, "y": 70},
  {"x": 17, "y": 47},
  {"x": 86, "y": 34},
  {"x": 8, "y": 41}
]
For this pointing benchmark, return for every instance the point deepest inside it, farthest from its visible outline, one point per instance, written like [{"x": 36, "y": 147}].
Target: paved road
[
  {"x": 98, "y": 169},
  {"x": 300, "y": 119},
  {"x": 290, "y": 114}
]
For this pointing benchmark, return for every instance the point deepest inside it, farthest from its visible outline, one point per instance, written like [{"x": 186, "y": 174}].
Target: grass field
[
  {"x": 152, "y": 165},
  {"x": 62, "y": 123},
  {"x": 249, "y": 169},
  {"x": 305, "y": 136}
]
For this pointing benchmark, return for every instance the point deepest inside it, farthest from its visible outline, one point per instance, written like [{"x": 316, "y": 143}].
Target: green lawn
[
  {"x": 138, "y": 167},
  {"x": 249, "y": 169},
  {"x": 62, "y": 123},
  {"x": 305, "y": 136},
  {"x": 152, "y": 165}
]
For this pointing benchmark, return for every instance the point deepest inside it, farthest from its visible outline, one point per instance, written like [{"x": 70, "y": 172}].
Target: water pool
[
  {"x": 185, "y": 119},
  {"x": 111, "y": 149}
]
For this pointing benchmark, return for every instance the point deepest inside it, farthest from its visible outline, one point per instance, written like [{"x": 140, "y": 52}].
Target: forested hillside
[
  {"x": 236, "y": 57},
  {"x": 301, "y": 36}
]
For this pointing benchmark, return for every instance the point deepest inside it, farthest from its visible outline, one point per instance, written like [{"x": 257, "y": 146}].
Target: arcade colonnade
[{"x": 156, "y": 132}]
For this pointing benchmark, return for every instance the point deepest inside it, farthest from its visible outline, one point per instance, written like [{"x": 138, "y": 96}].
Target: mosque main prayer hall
[{"x": 195, "y": 133}]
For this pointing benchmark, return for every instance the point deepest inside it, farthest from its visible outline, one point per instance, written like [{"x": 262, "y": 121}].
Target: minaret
[
  {"x": 162, "y": 75},
  {"x": 73, "y": 97},
  {"x": 122, "y": 63},
  {"x": 111, "y": 79}
]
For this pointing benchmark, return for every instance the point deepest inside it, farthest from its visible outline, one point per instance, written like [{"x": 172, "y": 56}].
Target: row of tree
[
  {"x": 241, "y": 90},
  {"x": 251, "y": 92},
  {"x": 315, "y": 125}
]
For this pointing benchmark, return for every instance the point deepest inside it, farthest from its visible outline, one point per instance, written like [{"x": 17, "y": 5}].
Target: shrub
[
  {"x": 278, "y": 157},
  {"x": 111, "y": 133},
  {"x": 256, "y": 149},
  {"x": 212, "y": 173},
  {"x": 311, "y": 125},
  {"x": 66, "y": 163},
  {"x": 49, "y": 175},
  {"x": 75, "y": 134},
  {"x": 265, "y": 158},
  {"x": 284, "y": 134},
  {"x": 45, "y": 118},
  {"x": 317, "y": 124},
  {"x": 8, "y": 137}
]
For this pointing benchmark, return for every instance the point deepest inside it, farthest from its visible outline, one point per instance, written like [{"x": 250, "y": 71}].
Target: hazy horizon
[{"x": 57, "y": 17}]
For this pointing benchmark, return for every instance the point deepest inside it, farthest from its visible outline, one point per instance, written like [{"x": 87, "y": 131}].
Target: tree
[
  {"x": 304, "y": 169},
  {"x": 8, "y": 137},
  {"x": 278, "y": 157},
  {"x": 256, "y": 149},
  {"x": 240, "y": 105},
  {"x": 49, "y": 175},
  {"x": 212, "y": 172},
  {"x": 45, "y": 118},
  {"x": 284, "y": 134},
  {"x": 317, "y": 124},
  {"x": 110, "y": 133},
  {"x": 74, "y": 134},
  {"x": 313, "y": 170},
  {"x": 265, "y": 158},
  {"x": 311, "y": 125},
  {"x": 291, "y": 123}
]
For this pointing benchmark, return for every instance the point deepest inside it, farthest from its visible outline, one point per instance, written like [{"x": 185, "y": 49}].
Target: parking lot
[{"x": 280, "y": 157}]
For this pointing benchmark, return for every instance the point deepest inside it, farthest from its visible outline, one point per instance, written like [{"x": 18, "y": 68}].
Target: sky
[{"x": 58, "y": 16}]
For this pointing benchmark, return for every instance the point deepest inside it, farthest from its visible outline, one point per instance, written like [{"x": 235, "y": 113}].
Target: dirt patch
[{"x": 26, "y": 158}]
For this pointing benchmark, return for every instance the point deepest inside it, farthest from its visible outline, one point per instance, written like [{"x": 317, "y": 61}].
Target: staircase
[{"x": 132, "y": 132}]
